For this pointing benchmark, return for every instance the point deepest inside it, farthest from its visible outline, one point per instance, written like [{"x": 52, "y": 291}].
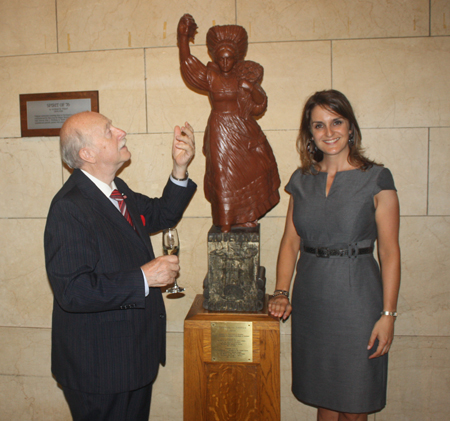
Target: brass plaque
[{"x": 232, "y": 341}]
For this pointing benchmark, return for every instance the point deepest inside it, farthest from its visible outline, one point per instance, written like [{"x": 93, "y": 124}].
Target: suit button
[{"x": 162, "y": 316}]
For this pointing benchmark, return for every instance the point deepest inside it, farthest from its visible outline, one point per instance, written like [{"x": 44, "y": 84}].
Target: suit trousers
[{"x": 126, "y": 406}]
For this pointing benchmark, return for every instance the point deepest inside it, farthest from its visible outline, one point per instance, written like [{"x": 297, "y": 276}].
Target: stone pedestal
[{"x": 235, "y": 280}]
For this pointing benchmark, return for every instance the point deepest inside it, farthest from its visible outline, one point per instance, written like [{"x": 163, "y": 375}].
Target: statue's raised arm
[
  {"x": 192, "y": 69},
  {"x": 186, "y": 31}
]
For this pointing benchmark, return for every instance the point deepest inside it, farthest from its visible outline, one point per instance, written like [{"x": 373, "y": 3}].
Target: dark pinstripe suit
[{"x": 107, "y": 337}]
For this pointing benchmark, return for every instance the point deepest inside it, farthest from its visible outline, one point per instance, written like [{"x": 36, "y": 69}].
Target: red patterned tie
[{"x": 116, "y": 195}]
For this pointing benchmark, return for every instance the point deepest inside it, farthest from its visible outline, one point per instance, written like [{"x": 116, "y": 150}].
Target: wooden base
[{"x": 237, "y": 391}]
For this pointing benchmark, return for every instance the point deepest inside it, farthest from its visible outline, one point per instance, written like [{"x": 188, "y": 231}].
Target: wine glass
[{"x": 171, "y": 245}]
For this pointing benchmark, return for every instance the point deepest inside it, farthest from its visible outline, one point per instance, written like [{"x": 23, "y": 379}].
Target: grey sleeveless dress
[{"x": 337, "y": 300}]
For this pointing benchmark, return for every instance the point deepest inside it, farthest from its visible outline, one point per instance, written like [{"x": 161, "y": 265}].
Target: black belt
[{"x": 351, "y": 251}]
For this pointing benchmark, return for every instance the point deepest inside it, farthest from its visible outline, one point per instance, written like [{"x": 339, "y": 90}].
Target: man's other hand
[{"x": 161, "y": 271}]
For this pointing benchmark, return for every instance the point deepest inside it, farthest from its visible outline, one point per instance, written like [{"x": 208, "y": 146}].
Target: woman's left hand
[{"x": 384, "y": 332}]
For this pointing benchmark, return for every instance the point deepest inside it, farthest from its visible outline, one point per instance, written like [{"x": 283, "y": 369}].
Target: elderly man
[{"x": 108, "y": 335}]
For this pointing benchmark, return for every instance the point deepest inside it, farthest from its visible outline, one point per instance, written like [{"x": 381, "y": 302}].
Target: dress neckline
[
  {"x": 327, "y": 194},
  {"x": 338, "y": 172}
]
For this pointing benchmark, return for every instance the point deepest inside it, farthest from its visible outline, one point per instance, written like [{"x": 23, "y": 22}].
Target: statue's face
[{"x": 225, "y": 58}]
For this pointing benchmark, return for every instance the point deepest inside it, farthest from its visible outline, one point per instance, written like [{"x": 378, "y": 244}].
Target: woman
[
  {"x": 343, "y": 308},
  {"x": 241, "y": 180}
]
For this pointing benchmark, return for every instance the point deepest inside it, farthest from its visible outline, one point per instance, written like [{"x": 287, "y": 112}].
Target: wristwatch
[{"x": 278, "y": 292}]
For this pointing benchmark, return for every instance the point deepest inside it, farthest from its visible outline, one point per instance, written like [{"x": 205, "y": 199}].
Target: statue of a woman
[{"x": 241, "y": 179}]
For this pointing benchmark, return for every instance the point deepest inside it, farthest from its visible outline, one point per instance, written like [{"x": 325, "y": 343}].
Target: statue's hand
[
  {"x": 246, "y": 85},
  {"x": 187, "y": 26},
  {"x": 255, "y": 91}
]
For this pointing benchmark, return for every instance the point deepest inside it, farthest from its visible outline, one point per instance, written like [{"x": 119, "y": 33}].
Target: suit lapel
[{"x": 107, "y": 211}]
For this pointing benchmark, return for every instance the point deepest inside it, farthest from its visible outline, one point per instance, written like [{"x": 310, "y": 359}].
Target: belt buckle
[
  {"x": 323, "y": 252},
  {"x": 353, "y": 250}
]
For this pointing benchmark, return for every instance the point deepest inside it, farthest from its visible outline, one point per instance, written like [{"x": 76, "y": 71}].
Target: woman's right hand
[
  {"x": 280, "y": 306},
  {"x": 187, "y": 26}
]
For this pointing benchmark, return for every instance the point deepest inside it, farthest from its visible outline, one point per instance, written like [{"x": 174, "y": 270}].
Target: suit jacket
[{"x": 107, "y": 337}]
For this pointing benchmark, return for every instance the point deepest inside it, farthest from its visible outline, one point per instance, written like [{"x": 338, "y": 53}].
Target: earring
[
  {"x": 351, "y": 140},
  {"x": 311, "y": 146}
]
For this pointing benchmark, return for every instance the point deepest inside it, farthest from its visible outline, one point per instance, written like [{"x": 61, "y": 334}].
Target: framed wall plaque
[{"x": 44, "y": 114}]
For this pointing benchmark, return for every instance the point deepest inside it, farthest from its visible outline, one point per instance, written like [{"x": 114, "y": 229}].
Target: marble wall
[{"x": 390, "y": 57}]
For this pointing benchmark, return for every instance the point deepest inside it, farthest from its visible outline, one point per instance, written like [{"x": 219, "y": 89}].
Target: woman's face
[
  {"x": 226, "y": 58},
  {"x": 330, "y": 131}
]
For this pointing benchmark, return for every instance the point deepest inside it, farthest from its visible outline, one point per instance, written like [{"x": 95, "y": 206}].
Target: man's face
[{"x": 108, "y": 143}]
